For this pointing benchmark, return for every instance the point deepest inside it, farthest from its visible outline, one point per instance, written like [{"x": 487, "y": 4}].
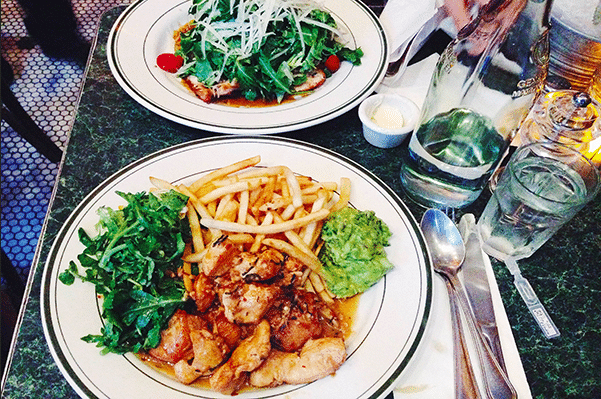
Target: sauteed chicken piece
[
  {"x": 175, "y": 339},
  {"x": 294, "y": 319},
  {"x": 207, "y": 94},
  {"x": 204, "y": 292},
  {"x": 247, "y": 303},
  {"x": 209, "y": 352},
  {"x": 224, "y": 258},
  {"x": 251, "y": 307},
  {"x": 314, "y": 80},
  {"x": 249, "y": 355},
  {"x": 318, "y": 358},
  {"x": 258, "y": 267},
  {"x": 220, "y": 257},
  {"x": 292, "y": 272},
  {"x": 231, "y": 333}
]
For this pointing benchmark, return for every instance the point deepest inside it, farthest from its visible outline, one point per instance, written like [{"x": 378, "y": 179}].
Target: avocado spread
[{"x": 353, "y": 255}]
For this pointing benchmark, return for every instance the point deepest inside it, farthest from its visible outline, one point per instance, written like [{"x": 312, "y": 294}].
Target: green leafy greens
[
  {"x": 132, "y": 263},
  {"x": 267, "y": 46},
  {"x": 353, "y": 253}
]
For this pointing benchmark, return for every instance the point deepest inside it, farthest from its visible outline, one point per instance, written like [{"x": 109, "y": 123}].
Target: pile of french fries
[{"x": 260, "y": 206}]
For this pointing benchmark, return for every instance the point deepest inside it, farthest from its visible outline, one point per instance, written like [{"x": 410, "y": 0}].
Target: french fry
[
  {"x": 315, "y": 187},
  {"x": 259, "y": 237},
  {"x": 222, "y": 205},
  {"x": 230, "y": 189},
  {"x": 195, "y": 257},
  {"x": 243, "y": 208},
  {"x": 304, "y": 180},
  {"x": 294, "y": 187},
  {"x": 211, "y": 208},
  {"x": 295, "y": 239},
  {"x": 293, "y": 251},
  {"x": 266, "y": 230},
  {"x": 345, "y": 194},
  {"x": 219, "y": 173},
  {"x": 186, "y": 267},
  {"x": 204, "y": 190},
  {"x": 299, "y": 213},
  {"x": 162, "y": 184},
  {"x": 188, "y": 282},
  {"x": 200, "y": 208},
  {"x": 288, "y": 212},
  {"x": 254, "y": 181},
  {"x": 195, "y": 229},
  {"x": 266, "y": 195},
  {"x": 184, "y": 190},
  {"x": 252, "y": 174},
  {"x": 309, "y": 229},
  {"x": 230, "y": 212},
  {"x": 241, "y": 238},
  {"x": 320, "y": 287},
  {"x": 315, "y": 236}
]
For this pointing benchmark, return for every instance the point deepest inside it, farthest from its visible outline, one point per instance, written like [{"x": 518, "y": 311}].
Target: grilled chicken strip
[
  {"x": 258, "y": 267},
  {"x": 175, "y": 339},
  {"x": 294, "y": 319},
  {"x": 204, "y": 292},
  {"x": 247, "y": 303},
  {"x": 201, "y": 91},
  {"x": 249, "y": 355},
  {"x": 318, "y": 358},
  {"x": 209, "y": 352},
  {"x": 314, "y": 80},
  {"x": 207, "y": 94},
  {"x": 220, "y": 257}
]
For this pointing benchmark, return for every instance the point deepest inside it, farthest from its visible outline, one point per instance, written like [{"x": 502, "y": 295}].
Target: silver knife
[{"x": 478, "y": 291}]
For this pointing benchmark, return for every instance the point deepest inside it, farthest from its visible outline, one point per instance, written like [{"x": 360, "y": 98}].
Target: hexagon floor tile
[{"x": 48, "y": 90}]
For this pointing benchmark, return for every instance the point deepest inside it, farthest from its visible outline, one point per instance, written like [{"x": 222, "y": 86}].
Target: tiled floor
[{"x": 48, "y": 89}]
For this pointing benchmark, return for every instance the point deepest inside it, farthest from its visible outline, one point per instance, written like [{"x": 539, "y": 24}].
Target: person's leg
[{"x": 52, "y": 24}]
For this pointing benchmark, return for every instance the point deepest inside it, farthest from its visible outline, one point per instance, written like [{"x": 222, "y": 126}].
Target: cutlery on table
[
  {"x": 478, "y": 292},
  {"x": 448, "y": 251}
]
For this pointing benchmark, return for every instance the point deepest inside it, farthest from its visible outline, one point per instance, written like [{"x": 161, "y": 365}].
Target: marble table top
[{"x": 111, "y": 130}]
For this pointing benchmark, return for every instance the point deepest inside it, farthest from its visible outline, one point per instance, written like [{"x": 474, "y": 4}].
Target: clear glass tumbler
[{"x": 542, "y": 187}]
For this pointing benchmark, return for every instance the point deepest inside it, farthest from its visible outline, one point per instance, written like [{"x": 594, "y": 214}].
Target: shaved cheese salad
[{"x": 259, "y": 49}]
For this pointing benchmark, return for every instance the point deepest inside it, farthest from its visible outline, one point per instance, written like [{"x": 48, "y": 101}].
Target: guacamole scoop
[{"x": 353, "y": 255}]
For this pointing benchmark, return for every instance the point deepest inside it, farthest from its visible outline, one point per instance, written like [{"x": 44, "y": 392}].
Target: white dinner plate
[
  {"x": 145, "y": 30},
  {"x": 390, "y": 319}
]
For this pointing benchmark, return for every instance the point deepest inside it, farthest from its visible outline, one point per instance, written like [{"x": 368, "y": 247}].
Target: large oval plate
[
  {"x": 145, "y": 30},
  {"x": 391, "y": 316}
]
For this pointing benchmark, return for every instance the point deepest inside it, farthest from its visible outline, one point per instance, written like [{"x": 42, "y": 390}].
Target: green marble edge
[{"x": 564, "y": 272}]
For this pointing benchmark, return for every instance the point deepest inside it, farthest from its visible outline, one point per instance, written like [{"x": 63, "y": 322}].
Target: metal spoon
[{"x": 448, "y": 251}]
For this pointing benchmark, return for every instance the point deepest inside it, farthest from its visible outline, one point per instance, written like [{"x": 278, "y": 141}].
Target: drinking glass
[{"x": 542, "y": 187}]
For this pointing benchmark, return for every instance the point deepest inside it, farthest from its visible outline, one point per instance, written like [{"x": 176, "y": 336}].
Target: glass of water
[{"x": 542, "y": 187}]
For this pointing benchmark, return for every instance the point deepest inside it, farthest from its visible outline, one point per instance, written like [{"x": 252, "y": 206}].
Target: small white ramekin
[{"x": 385, "y": 137}]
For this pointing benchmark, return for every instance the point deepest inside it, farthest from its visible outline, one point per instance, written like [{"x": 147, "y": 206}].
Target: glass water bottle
[{"x": 484, "y": 83}]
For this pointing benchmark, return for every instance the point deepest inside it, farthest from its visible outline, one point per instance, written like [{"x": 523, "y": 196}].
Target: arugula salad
[
  {"x": 132, "y": 264},
  {"x": 257, "y": 49}
]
